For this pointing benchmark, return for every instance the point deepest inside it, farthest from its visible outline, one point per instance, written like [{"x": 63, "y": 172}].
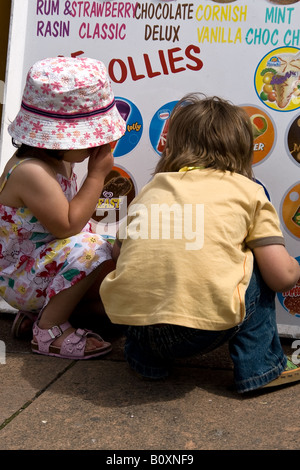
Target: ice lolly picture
[
  {"x": 124, "y": 109},
  {"x": 259, "y": 125},
  {"x": 163, "y": 136}
]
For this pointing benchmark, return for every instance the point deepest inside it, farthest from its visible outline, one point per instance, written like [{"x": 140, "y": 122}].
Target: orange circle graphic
[
  {"x": 291, "y": 210},
  {"x": 263, "y": 133}
]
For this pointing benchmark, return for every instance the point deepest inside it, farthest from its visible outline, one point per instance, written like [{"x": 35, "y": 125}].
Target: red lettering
[
  {"x": 150, "y": 73},
  {"x": 77, "y": 53},
  {"x": 107, "y": 9},
  {"x": 173, "y": 59},
  {"x": 104, "y": 28},
  {"x": 123, "y": 69},
  {"x": 198, "y": 62},
  {"x": 163, "y": 62},
  {"x": 81, "y": 34},
  {"x": 135, "y": 77},
  {"x": 169, "y": 62},
  {"x": 114, "y": 10},
  {"x": 111, "y": 31},
  {"x": 294, "y": 292},
  {"x": 123, "y": 27},
  {"x": 86, "y": 9}
]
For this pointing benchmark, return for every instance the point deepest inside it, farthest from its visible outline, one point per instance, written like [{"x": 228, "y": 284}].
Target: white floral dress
[{"x": 34, "y": 266}]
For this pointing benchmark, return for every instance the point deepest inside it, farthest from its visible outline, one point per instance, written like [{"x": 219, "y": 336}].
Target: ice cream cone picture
[
  {"x": 278, "y": 79},
  {"x": 287, "y": 78},
  {"x": 290, "y": 211},
  {"x": 290, "y": 300},
  {"x": 117, "y": 194},
  {"x": 283, "y": 2},
  {"x": 293, "y": 140},
  {"x": 263, "y": 132}
]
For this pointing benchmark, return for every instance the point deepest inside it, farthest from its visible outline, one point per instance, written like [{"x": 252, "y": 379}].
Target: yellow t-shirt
[{"x": 186, "y": 254}]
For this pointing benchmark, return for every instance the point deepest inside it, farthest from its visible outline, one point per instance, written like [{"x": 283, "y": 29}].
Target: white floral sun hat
[{"x": 67, "y": 103}]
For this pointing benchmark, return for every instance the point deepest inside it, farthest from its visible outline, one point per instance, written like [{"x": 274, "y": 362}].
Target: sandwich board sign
[{"x": 246, "y": 51}]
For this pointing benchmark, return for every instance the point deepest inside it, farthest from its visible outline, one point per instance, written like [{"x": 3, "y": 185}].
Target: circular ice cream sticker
[
  {"x": 118, "y": 191},
  {"x": 263, "y": 130},
  {"x": 134, "y": 127},
  {"x": 290, "y": 210},
  {"x": 283, "y": 2},
  {"x": 159, "y": 127},
  {"x": 290, "y": 300},
  {"x": 277, "y": 79},
  {"x": 293, "y": 140}
]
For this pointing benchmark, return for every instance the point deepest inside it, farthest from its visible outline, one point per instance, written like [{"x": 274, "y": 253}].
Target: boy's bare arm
[{"x": 279, "y": 270}]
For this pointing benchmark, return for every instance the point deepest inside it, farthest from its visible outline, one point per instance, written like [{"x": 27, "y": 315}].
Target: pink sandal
[
  {"x": 73, "y": 346},
  {"x": 22, "y": 325}
]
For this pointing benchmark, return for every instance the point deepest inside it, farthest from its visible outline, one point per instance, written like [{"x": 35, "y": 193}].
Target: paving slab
[
  {"x": 103, "y": 406},
  {"x": 23, "y": 378},
  {"x": 56, "y": 404}
]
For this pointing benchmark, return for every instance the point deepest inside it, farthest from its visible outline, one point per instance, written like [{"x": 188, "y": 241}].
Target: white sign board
[{"x": 247, "y": 51}]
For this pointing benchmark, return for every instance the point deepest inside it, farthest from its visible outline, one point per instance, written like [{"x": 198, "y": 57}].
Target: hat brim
[{"x": 59, "y": 134}]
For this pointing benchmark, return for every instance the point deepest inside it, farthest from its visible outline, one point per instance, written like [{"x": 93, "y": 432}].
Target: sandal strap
[
  {"x": 74, "y": 343},
  {"x": 44, "y": 338}
]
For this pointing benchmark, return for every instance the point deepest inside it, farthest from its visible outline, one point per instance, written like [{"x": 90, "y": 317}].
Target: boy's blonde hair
[{"x": 208, "y": 132}]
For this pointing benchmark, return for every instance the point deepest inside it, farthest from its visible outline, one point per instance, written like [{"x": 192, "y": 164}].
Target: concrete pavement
[{"x": 56, "y": 404}]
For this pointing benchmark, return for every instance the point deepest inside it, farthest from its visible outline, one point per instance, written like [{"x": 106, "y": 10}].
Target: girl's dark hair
[
  {"x": 208, "y": 132},
  {"x": 24, "y": 150}
]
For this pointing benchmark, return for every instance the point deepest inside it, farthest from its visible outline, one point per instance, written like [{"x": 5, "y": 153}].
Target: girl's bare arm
[{"x": 42, "y": 194}]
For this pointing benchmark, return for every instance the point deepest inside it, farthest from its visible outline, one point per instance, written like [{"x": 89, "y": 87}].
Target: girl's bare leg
[
  {"x": 91, "y": 301},
  {"x": 61, "y": 306}
]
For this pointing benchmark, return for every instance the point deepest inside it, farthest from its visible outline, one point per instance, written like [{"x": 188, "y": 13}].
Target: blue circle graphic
[
  {"x": 159, "y": 126},
  {"x": 265, "y": 189},
  {"x": 134, "y": 127}
]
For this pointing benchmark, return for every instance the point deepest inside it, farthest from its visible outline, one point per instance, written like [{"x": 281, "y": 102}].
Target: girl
[
  {"x": 204, "y": 253},
  {"x": 49, "y": 257}
]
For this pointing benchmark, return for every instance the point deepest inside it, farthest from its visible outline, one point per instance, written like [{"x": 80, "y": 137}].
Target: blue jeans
[{"x": 254, "y": 345}]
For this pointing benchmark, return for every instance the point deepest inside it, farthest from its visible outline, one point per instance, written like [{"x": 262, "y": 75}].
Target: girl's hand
[
  {"x": 100, "y": 162},
  {"x": 39, "y": 190}
]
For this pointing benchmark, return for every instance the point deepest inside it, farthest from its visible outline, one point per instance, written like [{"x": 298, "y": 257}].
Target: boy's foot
[{"x": 290, "y": 374}]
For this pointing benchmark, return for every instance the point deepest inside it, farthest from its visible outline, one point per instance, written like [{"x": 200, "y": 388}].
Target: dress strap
[{"x": 10, "y": 172}]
